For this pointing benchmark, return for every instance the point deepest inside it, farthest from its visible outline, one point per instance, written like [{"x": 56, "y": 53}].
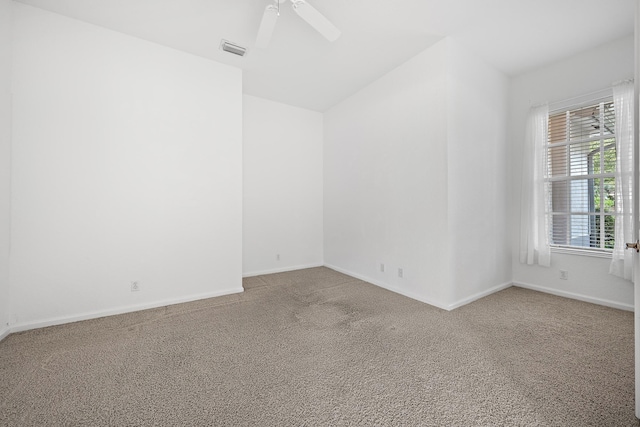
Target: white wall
[
  {"x": 576, "y": 76},
  {"x": 282, "y": 209},
  {"x": 5, "y": 160},
  {"x": 127, "y": 165},
  {"x": 385, "y": 170},
  {"x": 477, "y": 176},
  {"x": 416, "y": 178}
]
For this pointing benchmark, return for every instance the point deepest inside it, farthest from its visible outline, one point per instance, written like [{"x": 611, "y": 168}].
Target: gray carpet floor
[{"x": 316, "y": 347}]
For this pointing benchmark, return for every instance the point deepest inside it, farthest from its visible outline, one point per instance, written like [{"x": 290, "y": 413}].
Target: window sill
[{"x": 582, "y": 252}]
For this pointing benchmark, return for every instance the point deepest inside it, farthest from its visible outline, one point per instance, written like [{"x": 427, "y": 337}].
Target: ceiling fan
[{"x": 307, "y": 12}]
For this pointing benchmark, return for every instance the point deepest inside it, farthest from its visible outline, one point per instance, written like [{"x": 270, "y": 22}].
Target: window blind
[{"x": 580, "y": 182}]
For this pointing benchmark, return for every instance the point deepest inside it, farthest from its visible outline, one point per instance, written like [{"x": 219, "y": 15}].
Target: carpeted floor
[{"x": 315, "y": 347}]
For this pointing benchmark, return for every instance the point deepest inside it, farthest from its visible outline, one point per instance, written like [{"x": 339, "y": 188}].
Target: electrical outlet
[
  {"x": 381, "y": 267},
  {"x": 400, "y": 273},
  {"x": 277, "y": 257},
  {"x": 135, "y": 286},
  {"x": 564, "y": 275}
]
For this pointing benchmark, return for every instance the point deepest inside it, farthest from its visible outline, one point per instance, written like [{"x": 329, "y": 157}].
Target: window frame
[{"x": 604, "y": 97}]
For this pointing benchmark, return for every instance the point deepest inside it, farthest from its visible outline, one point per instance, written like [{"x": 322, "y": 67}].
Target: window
[{"x": 580, "y": 180}]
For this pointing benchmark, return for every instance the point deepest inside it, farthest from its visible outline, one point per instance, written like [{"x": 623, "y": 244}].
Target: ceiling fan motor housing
[{"x": 307, "y": 12}]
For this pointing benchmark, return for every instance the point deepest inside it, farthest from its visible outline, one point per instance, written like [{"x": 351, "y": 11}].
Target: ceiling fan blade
[
  {"x": 316, "y": 20},
  {"x": 267, "y": 26}
]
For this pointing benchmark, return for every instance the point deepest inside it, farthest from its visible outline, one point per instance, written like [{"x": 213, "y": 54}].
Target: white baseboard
[
  {"x": 572, "y": 295},
  {"x": 281, "y": 270},
  {"x": 411, "y": 295},
  {"x": 4, "y": 332},
  {"x": 388, "y": 287},
  {"x": 479, "y": 295},
  {"x": 18, "y": 327}
]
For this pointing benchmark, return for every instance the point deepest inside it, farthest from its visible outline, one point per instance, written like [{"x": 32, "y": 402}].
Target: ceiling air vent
[{"x": 233, "y": 48}]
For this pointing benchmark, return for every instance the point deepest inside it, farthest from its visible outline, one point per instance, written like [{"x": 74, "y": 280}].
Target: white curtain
[
  {"x": 622, "y": 261},
  {"x": 534, "y": 230}
]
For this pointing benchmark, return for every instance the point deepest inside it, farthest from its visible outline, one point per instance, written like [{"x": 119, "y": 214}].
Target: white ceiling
[{"x": 301, "y": 68}]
